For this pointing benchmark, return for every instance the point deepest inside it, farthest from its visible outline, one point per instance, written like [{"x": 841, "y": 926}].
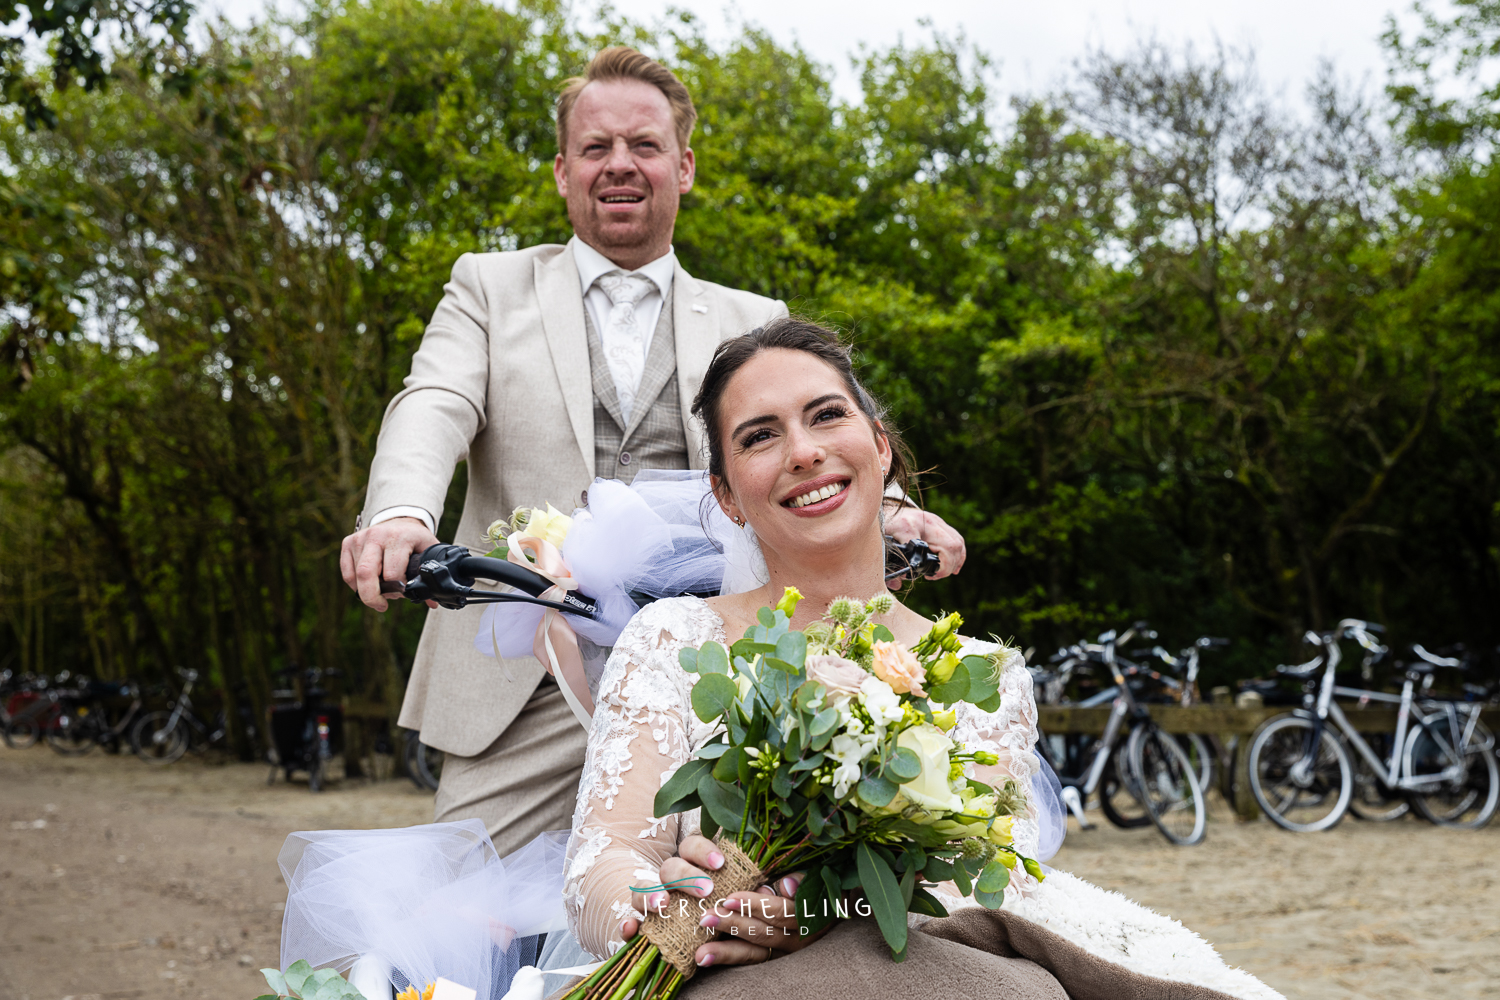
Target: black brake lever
[
  {"x": 914, "y": 558},
  {"x": 446, "y": 574}
]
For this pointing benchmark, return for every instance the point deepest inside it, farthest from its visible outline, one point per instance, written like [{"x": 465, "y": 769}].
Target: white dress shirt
[{"x": 591, "y": 266}]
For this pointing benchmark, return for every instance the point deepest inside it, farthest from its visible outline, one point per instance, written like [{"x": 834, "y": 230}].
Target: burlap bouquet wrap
[{"x": 678, "y": 934}]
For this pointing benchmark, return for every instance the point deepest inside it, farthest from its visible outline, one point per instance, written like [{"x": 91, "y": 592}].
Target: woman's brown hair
[{"x": 792, "y": 334}]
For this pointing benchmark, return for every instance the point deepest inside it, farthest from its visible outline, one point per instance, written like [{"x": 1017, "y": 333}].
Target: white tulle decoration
[
  {"x": 1051, "y": 814},
  {"x": 423, "y": 902},
  {"x": 661, "y": 536}
]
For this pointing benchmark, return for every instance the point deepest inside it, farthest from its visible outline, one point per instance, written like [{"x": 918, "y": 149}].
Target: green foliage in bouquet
[
  {"x": 833, "y": 760},
  {"x": 302, "y": 982}
]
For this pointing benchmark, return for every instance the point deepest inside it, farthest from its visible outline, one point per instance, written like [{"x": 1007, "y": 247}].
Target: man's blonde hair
[{"x": 619, "y": 62}]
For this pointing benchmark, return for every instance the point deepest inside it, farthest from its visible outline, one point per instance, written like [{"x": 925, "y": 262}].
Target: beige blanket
[{"x": 975, "y": 953}]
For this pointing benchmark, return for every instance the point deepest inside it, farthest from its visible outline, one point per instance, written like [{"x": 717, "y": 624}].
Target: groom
[{"x": 545, "y": 368}]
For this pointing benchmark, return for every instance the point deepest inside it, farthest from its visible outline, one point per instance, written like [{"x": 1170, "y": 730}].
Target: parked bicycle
[
  {"x": 1440, "y": 759},
  {"x": 31, "y": 709},
  {"x": 307, "y": 731},
  {"x": 1145, "y": 763},
  {"x": 424, "y": 764},
  {"x": 89, "y": 714},
  {"x": 1203, "y": 750},
  {"x": 162, "y": 737}
]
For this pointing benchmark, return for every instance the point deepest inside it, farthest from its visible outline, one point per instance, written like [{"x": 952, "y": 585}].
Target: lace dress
[{"x": 644, "y": 729}]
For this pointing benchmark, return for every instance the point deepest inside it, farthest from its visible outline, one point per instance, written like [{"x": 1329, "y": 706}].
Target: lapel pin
[{"x": 699, "y": 309}]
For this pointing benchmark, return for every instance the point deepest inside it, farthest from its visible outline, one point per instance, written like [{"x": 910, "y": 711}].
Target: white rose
[
  {"x": 550, "y": 525},
  {"x": 880, "y": 701},
  {"x": 930, "y": 789}
]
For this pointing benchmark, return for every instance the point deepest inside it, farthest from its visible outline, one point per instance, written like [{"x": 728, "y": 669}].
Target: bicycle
[
  {"x": 162, "y": 737},
  {"x": 306, "y": 732},
  {"x": 1203, "y": 750},
  {"x": 1441, "y": 759},
  {"x": 82, "y": 719},
  {"x": 31, "y": 710},
  {"x": 424, "y": 764},
  {"x": 1158, "y": 773}
]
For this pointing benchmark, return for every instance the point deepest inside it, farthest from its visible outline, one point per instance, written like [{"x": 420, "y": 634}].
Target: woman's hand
[{"x": 752, "y": 926}]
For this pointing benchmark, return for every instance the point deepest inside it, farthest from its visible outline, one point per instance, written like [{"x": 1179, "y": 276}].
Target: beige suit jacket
[{"x": 502, "y": 378}]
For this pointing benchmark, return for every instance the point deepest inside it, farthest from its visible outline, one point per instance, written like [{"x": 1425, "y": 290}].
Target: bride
[{"x": 801, "y": 456}]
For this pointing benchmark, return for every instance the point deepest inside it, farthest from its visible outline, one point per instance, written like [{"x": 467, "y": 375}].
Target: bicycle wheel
[
  {"x": 1200, "y": 751},
  {"x": 1300, "y": 787},
  {"x": 1168, "y": 783},
  {"x": 157, "y": 740},
  {"x": 21, "y": 733},
  {"x": 1120, "y": 799},
  {"x": 71, "y": 735},
  {"x": 1465, "y": 785},
  {"x": 1373, "y": 799}
]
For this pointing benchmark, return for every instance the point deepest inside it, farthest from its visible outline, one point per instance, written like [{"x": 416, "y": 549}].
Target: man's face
[{"x": 622, "y": 171}]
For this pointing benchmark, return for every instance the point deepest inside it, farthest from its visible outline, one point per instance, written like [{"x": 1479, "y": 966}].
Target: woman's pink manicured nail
[
  {"x": 709, "y": 920},
  {"x": 706, "y": 960},
  {"x": 656, "y": 900},
  {"x": 715, "y": 860},
  {"x": 791, "y": 885},
  {"x": 703, "y": 886}
]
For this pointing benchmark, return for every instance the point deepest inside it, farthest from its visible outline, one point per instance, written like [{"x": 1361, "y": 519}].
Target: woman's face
[{"x": 802, "y": 464}]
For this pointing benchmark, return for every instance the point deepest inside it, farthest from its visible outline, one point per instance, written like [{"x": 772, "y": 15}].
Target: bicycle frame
[{"x": 1390, "y": 773}]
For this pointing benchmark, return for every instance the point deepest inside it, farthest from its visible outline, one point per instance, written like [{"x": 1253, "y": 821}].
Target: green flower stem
[{"x": 638, "y": 970}]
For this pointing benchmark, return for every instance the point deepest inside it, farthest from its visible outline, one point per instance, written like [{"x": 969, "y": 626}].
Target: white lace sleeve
[
  {"x": 643, "y": 724},
  {"x": 1010, "y": 732}
]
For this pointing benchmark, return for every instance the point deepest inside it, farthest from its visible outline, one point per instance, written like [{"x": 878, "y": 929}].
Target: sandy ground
[{"x": 121, "y": 881}]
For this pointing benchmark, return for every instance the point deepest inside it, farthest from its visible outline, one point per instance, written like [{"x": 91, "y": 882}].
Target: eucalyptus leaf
[
  {"x": 727, "y": 767},
  {"x": 877, "y": 791},
  {"x": 813, "y": 911},
  {"x": 724, "y": 802},
  {"x": 994, "y": 878},
  {"x": 824, "y": 721},
  {"x": 713, "y": 659},
  {"x": 713, "y": 695},
  {"x": 711, "y": 751},
  {"x": 687, "y": 657},
  {"x": 808, "y": 763},
  {"x": 883, "y": 634},
  {"x": 298, "y": 975},
  {"x": 923, "y": 901},
  {"x": 276, "y": 981},
  {"x": 903, "y": 766},
  {"x": 792, "y": 648},
  {"x": 982, "y": 680},
  {"x": 681, "y": 790},
  {"x": 766, "y": 617},
  {"x": 884, "y": 896},
  {"x": 961, "y": 876},
  {"x": 954, "y": 690},
  {"x": 784, "y": 666}
]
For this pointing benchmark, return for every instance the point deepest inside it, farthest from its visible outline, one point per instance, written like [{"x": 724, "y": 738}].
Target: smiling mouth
[
  {"x": 623, "y": 199},
  {"x": 815, "y": 496}
]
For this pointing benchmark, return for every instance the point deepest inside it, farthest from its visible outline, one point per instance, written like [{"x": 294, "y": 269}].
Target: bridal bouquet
[{"x": 833, "y": 760}]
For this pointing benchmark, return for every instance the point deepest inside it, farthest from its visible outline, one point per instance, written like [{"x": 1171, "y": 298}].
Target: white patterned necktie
[{"x": 623, "y": 339}]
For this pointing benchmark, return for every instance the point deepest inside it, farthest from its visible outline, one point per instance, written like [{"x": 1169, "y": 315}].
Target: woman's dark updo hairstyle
[{"x": 792, "y": 334}]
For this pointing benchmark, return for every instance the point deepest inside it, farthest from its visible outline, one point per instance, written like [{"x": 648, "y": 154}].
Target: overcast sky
[{"x": 1034, "y": 43}]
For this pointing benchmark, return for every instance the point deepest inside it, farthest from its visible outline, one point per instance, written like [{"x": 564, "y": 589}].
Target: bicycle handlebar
[{"x": 447, "y": 574}]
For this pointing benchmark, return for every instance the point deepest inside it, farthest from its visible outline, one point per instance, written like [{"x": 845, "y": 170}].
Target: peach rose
[{"x": 898, "y": 667}]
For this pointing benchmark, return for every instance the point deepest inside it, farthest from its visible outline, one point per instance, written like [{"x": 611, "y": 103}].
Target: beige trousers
[{"x": 524, "y": 783}]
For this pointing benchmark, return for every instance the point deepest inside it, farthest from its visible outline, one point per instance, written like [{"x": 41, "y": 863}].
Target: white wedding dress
[{"x": 644, "y": 729}]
